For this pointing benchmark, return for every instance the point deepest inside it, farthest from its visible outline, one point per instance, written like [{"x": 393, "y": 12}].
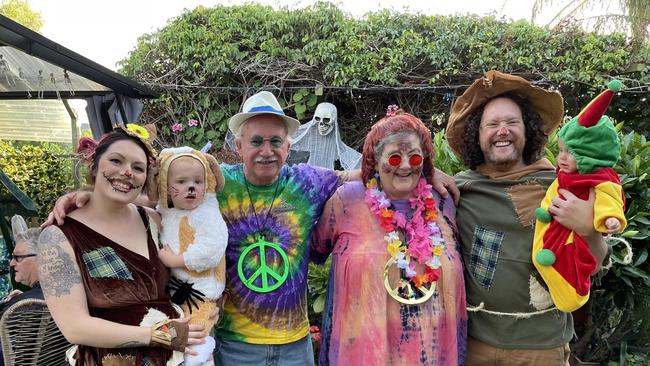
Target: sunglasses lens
[
  {"x": 415, "y": 159},
  {"x": 257, "y": 141},
  {"x": 276, "y": 141},
  {"x": 394, "y": 160}
]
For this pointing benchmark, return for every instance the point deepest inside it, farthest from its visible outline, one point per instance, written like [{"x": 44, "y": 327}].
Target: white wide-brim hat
[{"x": 261, "y": 103}]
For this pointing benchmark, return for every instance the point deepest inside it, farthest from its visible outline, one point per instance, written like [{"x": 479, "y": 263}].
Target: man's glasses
[
  {"x": 19, "y": 257},
  {"x": 276, "y": 141},
  {"x": 396, "y": 160}
]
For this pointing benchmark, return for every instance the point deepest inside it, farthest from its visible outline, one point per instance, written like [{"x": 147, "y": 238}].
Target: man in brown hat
[{"x": 499, "y": 127}]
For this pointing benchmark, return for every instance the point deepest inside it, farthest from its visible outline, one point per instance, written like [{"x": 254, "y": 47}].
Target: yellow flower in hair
[{"x": 139, "y": 131}]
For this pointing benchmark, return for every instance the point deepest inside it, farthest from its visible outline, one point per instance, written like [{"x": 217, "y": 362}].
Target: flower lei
[{"x": 425, "y": 244}]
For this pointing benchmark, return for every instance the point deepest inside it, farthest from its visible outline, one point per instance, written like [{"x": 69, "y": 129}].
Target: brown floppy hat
[{"x": 548, "y": 103}]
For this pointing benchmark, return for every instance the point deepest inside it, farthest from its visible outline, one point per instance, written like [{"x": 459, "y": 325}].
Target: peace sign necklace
[{"x": 265, "y": 278}]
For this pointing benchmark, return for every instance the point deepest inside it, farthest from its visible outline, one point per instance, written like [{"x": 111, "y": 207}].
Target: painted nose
[
  {"x": 128, "y": 173},
  {"x": 191, "y": 189},
  {"x": 503, "y": 131}
]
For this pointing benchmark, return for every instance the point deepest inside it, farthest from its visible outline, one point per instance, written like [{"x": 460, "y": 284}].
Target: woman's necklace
[{"x": 425, "y": 244}]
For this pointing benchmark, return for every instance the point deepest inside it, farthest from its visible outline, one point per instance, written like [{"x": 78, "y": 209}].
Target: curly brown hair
[{"x": 534, "y": 132}]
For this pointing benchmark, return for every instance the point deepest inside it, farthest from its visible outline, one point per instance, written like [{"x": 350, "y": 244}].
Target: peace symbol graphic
[
  {"x": 404, "y": 290},
  {"x": 264, "y": 271}
]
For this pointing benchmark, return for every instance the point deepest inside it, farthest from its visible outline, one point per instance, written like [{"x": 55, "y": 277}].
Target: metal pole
[{"x": 75, "y": 140}]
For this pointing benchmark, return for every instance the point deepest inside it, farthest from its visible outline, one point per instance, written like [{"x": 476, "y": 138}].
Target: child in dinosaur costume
[
  {"x": 589, "y": 148},
  {"x": 194, "y": 236}
]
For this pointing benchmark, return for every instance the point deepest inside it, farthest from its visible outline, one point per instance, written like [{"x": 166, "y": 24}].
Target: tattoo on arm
[
  {"x": 131, "y": 344},
  {"x": 56, "y": 268}
]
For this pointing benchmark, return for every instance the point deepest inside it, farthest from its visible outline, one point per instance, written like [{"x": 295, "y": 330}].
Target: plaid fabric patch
[
  {"x": 146, "y": 361},
  {"x": 105, "y": 263},
  {"x": 485, "y": 252}
]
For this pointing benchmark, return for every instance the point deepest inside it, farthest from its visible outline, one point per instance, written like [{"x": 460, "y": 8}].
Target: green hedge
[
  {"x": 42, "y": 170},
  {"x": 206, "y": 59}
]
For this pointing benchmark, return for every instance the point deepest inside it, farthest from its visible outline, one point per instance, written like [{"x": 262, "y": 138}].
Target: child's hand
[
  {"x": 613, "y": 225},
  {"x": 169, "y": 258}
]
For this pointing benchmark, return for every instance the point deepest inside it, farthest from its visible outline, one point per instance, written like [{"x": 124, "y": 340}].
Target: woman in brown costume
[{"x": 100, "y": 270}]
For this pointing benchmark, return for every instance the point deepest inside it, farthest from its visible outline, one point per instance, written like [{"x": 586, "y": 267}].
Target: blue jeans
[{"x": 233, "y": 353}]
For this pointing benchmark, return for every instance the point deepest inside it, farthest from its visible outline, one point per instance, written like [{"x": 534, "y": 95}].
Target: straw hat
[{"x": 261, "y": 103}]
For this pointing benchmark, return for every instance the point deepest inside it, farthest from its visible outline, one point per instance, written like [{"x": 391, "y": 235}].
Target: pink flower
[
  {"x": 177, "y": 127},
  {"x": 314, "y": 329},
  {"x": 315, "y": 337},
  {"x": 192, "y": 122},
  {"x": 420, "y": 249}
]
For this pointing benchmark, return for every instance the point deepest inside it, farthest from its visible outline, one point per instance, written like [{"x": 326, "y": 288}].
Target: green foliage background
[
  {"x": 42, "y": 170},
  {"x": 205, "y": 61}
]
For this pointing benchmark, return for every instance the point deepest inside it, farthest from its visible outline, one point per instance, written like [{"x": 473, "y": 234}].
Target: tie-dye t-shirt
[{"x": 278, "y": 316}]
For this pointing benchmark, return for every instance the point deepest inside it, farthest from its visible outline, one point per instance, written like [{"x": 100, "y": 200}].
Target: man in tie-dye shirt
[{"x": 270, "y": 209}]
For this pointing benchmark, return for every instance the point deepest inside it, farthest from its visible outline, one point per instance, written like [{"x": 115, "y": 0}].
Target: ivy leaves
[{"x": 209, "y": 59}]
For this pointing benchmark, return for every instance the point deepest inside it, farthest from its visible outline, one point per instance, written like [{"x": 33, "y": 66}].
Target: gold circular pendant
[{"x": 404, "y": 291}]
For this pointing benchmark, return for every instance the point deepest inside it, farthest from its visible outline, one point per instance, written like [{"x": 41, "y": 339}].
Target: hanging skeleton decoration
[
  {"x": 321, "y": 139},
  {"x": 325, "y": 117}
]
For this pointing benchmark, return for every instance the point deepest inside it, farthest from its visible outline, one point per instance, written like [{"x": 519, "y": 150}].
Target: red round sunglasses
[{"x": 396, "y": 160}]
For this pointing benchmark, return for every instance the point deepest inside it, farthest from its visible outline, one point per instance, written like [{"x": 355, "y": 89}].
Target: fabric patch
[
  {"x": 540, "y": 298},
  {"x": 146, "y": 361},
  {"x": 526, "y": 198},
  {"x": 105, "y": 263},
  {"x": 485, "y": 252}
]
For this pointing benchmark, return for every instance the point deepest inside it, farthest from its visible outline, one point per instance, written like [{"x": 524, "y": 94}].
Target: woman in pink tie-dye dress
[{"x": 396, "y": 294}]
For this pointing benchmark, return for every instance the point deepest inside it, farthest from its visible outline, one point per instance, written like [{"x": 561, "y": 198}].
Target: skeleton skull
[{"x": 325, "y": 116}]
